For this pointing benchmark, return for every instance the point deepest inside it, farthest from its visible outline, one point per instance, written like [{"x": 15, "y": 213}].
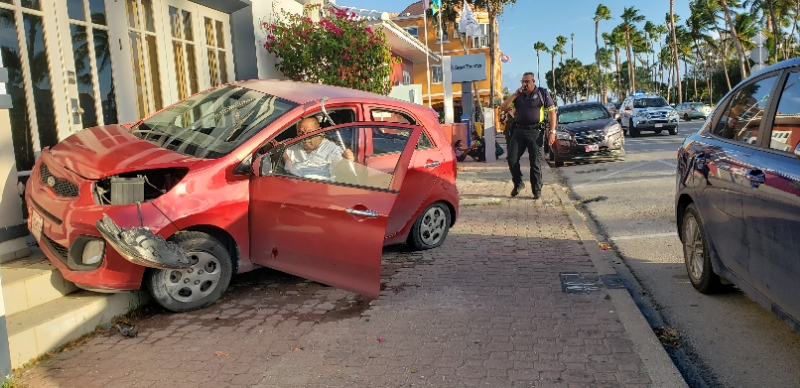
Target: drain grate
[{"x": 578, "y": 283}]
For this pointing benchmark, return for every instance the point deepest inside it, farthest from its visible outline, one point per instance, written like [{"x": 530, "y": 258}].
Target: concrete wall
[
  {"x": 267, "y": 12},
  {"x": 243, "y": 36},
  {"x": 13, "y": 230},
  {"x": 410, "y": 93}
]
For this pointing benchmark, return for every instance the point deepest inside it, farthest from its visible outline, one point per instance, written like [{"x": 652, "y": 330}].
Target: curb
[{"x": 657, "y": 363}]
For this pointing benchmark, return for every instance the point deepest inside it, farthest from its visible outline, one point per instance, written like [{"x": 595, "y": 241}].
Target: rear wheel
[
  {"x": 431, "y": 228},
  {"x": 633, "y": 131},
  {"x": 686, "y": 117},
  {"x": 696, "y": 254},
  {"x": 199, "y": 286}
]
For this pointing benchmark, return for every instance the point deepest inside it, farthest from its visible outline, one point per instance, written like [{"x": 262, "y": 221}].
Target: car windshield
[
  {"x": 583, "y": 113},
  {"x": 213, "y": 123},
  {"x": 698, "y": 105},
  {"x": 652, "y": 102}
]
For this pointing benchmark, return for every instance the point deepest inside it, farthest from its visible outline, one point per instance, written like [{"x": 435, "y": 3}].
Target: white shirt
[{"x": 317, "y": 164}]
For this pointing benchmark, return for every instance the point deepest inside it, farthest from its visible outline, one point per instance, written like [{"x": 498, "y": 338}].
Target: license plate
[
  {"x": 592, "y": 148},
  {"x": 659, "y": 125},
  {"x": 36, "y": 224}
]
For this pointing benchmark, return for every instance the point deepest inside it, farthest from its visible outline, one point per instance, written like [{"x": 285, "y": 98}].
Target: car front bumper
[
  {"x": 656, "y": 125},
  {"x": 68, "y": 222},
  {"x": 611, "y": 147}
]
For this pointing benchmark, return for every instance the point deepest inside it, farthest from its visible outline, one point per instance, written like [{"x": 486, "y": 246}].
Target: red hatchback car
[{"x": 212, "y": 174}]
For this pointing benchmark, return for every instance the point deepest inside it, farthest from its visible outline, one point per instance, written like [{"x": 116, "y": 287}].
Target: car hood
[
  {"x": 584, "y": 126},
  {"x": 98, "y": 152},
  {"x": 660, "y": 109}
]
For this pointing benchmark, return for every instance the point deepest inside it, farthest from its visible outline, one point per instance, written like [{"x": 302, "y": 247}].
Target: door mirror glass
[{"x": 264, "y": 165}]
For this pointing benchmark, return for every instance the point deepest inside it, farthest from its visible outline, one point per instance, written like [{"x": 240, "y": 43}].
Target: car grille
[
  {"x": 656, "y": 115},
  {"x": 62, "y": 187},
  {"x": 590, "y": 137},
  {"x": 59, "y": 250}
]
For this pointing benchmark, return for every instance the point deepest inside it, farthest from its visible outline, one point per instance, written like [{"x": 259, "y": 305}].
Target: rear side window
[
  {"x": 786, "y": 127},
  {"x": 742, "y": 116},
  {"x": 392, "y": 116}
]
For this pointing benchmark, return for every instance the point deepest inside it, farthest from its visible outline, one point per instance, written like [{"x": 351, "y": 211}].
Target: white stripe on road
[
  {"x": 612, "y": 174},
  {"x": 644, "y": 236},
  {"x": 673, "y": 165},
  {"x": 670, "y": 177}
]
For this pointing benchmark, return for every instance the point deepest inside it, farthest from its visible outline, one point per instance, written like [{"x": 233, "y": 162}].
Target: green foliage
[{"x": 339, "y": 50}]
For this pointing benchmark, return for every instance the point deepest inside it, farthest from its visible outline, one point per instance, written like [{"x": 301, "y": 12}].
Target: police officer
[{"x": 529, "y": 132}]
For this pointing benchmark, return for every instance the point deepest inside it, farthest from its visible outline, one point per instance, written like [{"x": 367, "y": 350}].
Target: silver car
[{"x": 693, "y": 110}]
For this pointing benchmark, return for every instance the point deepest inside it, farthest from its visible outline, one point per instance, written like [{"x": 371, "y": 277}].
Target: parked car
[
  {"x": 693, "y": 110},
  {"x": 586, "y": 130},
  {"x": 648, "y": 112},
  {"x": 186, "y": 174},
  {"x": 737, "y": 201},
  {"x": 613, "y": 108}
]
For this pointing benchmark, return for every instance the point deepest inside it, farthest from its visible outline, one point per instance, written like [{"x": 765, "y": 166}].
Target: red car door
[{"x": 326, "y": 222}]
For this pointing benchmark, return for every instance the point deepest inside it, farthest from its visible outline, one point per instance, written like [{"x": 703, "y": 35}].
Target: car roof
[
  {"x": 787, "y": 63},
  {"x": 303, "y": 92},
  {"x": 578, "y": 104}
]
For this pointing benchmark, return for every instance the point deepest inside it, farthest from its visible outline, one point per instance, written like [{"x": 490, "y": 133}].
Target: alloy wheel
[
  {"x": 693, "y": 248},
  {"x": 197, "y": 282},
  {"x": 433, "y": 226}
]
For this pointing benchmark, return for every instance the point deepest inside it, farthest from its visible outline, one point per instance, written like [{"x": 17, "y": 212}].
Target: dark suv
[
  {"x": 586, "y": 130},
  {"x": 738, "y": 193}
]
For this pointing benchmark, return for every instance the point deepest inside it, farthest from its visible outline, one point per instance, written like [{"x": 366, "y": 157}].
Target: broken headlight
[{"x": 138, "y": 186}]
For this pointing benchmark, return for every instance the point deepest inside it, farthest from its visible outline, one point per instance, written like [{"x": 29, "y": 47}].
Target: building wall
[
  {"x": 453, "y": 46},
  {"x": 398, "y": 69}
]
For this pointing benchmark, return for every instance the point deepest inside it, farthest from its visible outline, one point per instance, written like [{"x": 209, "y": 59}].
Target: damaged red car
[{"x": 232, "y": 179}]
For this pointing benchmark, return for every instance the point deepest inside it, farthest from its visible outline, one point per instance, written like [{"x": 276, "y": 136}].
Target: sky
[{"x": 529, "y": 21}]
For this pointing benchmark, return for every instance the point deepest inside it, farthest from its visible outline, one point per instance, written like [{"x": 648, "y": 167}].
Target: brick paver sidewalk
[{"x": 486, "y": 309}]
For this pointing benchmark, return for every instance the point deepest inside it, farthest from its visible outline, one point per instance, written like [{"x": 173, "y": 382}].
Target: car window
[
  {"x": 392, "y": 116},
  {"x": 387, "y": 141},
  {"x": 424, "y": 142},
  {"x": 652, "y": 102},
  {"x": 583, "y": 113},
  {"x": 742, "y": 116},
  {"x": 786, "y": 127},
  {"x": 325, "y": 156}
]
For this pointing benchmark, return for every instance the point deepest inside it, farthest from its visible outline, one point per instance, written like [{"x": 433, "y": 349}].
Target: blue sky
[{"x": 529, "y": 21}]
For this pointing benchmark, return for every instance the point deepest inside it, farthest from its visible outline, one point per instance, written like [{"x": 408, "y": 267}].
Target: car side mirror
[{"x": 263, "y": 165}]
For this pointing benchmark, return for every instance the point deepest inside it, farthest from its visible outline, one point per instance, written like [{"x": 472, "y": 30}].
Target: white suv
[{"x": 646, "y": 112}]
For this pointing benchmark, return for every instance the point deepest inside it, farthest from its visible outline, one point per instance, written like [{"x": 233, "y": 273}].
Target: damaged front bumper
[{"x": 140, "y": 246}]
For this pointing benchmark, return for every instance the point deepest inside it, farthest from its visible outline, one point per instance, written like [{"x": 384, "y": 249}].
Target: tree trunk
[
  {"x": 620, "y": 93},
  {"x": 675, "y": 48},
  {"x": 553, "y": 72},
  {"x": 705, "y": 67},
  {"x": 538, "y": 67},
  {"x": 736, "y": 43},
  {"x": 631, "y": 61},
  {"x": 775, "y": 32},
  {"x": 597, "y": 59},
  {"x": 725, "y": 65}
]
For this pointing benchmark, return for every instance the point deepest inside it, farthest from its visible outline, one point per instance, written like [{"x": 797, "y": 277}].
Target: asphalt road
[{"x": 725, "y": 340}]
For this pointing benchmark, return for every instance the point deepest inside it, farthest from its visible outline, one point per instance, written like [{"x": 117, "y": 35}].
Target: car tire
[
  {"x": 673, "y": 131},
  {"x": 686, "y": 117},
  {"x": 207, "y": 279},
  {"x": 658, "y": 132},
  {"x": 558, "y": 162},
  {"x": 696, "y": 254},
  {"x": 633, "y": 131},
  {"x": 431, "y": 227}
]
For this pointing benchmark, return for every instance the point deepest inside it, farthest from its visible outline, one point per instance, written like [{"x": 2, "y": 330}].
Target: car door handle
[
  {"x": 363, "y": 213},
  {"x": 756, "y": 178},
  {"x": 432, "y": 164}
]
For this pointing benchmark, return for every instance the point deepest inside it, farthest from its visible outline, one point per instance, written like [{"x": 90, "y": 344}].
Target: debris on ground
[
  {"x": 128, "y": 330},
  {"x": 604, "y": 246},
  {"x": 221, "y": 354},
  {"x": 668, "y": 336},
  {"x": 293, "y": 348},
  {"x": 380, "y": 339}
]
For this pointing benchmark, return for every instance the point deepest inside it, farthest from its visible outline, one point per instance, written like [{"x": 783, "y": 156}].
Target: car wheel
[
  {"x": 673, "y": 131},
  {"x": 431, "y": 228},
  {"x": 686, "y": 117},
  {"x": 199, "y": 286},
  {"x": 633, "y": 131},
  {"x": 658, "y": 132},
  {"x": 696, "y": 254},
  {"x": 558, "y": 162}
]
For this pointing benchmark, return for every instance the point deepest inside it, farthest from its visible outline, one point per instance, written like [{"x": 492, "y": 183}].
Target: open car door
[{"x": 318, "y": 215}]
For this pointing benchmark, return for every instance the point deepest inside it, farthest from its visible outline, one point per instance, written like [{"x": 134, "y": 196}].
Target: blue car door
[
  {"x": 772, "y": 204},
  {"x": 722, "y": 160}
]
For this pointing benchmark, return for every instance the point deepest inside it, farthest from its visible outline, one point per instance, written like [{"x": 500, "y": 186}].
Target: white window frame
[
  {"x": 406, "y": 78},
  {"x": 415, "y": 34},
  {"x": 434, "y": 69},
  {"x": 445, "y": 32},
  {"x": 482, "y": 41}
]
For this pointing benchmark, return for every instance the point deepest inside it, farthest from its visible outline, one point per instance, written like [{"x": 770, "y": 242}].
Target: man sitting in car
[{"x": 315, "y": 157}]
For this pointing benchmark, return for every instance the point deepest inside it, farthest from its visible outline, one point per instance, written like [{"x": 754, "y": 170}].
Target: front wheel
[
  {"x": 686, "y": 117},
  {"x": 633, "y": 131},
  {"x": 673, "y": 131},
  {"x": 696, "y": 254},
  {"x": 196, "y": 287},
  {"x": 431, "y": 227}
]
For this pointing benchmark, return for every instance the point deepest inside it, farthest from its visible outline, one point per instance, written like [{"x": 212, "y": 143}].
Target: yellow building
[{"x": 453, "y": 44}]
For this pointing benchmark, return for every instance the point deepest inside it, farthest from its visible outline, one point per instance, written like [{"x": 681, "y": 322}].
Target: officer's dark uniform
[{"x": 529, "y": 133}]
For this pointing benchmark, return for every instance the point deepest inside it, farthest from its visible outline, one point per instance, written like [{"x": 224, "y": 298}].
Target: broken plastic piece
[
  {"x": 128, "y": 330},
  {"x": 140, "y": 246}
]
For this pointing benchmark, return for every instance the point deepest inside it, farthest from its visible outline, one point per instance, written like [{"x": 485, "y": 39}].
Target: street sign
[
  {"x": 759, "y": 39},
  {"x": 468, "y": 68},
  {"x": 759, "y": 54}
]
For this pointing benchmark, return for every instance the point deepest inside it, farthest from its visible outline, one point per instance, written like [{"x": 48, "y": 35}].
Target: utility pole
[{"x": 573, "y": 45}]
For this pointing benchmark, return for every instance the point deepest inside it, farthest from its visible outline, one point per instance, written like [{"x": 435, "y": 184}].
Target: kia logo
[{"x": 51, "y": 181}]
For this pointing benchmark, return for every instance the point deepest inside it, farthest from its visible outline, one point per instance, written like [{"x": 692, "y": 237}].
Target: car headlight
[
  {"x": 640, "y": 114},
  {"x": 613, "y": 129},
  {"x": 673, "y": 113},
  {"x": 93, "y": 252},
  {"x": 561, "y": 135}
]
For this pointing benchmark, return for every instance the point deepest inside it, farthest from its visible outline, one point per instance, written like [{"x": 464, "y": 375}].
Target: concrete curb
[{"x": 657, "y": 363}]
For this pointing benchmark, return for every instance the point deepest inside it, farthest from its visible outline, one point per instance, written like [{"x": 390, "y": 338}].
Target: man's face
[
  {"x": 308, "y": 126},
  {"x": 528, "y": 81}
]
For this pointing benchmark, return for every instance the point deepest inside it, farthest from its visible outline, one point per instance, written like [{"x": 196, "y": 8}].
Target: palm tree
[
  {"x": 601, "y": 13},
  {"x": 630, "y": 16},
  {"x": 650, "y": 31},
  {"x": 675, "y": 46},
  {"x": 539, "y": 46},
  {"x": 556, "y": 49},
  {"x": 732, "y": 27},
  {"x": 561, "y": 41},
  {"x": 616, "y": 40},
  {"x": 696, "y": 23},
  {"x": 604, "y": 60}
]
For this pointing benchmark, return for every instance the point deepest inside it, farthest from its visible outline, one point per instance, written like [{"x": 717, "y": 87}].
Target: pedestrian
[{"x": 529, "y": 130}]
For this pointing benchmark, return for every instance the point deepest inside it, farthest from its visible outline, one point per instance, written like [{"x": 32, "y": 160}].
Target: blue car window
[
  {"x": 742, "y": 117},
  {"x": 786, "y": 127}
]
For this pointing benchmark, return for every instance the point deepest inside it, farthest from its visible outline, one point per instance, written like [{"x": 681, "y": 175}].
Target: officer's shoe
[
  {"x": 519, "y": 187},
  {"x": 537, "y": 195}
]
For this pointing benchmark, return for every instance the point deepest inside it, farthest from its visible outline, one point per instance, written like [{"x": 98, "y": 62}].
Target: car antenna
[{"x": 338, "y": 135}]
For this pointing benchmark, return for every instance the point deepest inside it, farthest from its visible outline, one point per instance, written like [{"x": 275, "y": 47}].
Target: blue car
[{"x": 737, "y": 201}]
